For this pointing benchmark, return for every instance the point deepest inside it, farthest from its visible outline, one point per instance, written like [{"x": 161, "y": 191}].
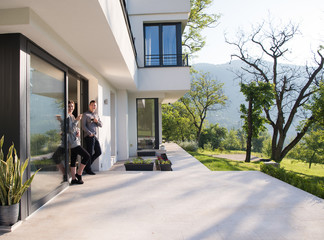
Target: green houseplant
[{"x": 11, "y": 184}]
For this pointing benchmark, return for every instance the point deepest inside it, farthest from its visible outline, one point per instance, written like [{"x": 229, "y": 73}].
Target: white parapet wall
[{"x": 157, "y": 6}]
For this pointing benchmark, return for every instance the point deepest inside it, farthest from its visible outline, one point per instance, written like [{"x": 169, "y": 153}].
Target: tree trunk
[
  {"x": 249, "y": 136},
  {"x": 286, "y": 81},
  {"x": 199, "y": 129}
]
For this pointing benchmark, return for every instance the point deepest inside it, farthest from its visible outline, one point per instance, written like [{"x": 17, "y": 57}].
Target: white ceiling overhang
[{"x": 91, "y": 37}]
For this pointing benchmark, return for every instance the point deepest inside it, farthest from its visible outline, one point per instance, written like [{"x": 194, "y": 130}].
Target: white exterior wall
[
  {"x": 99, "y": 47},
  {"x": 165, "y": 83},
  {"x": 101, "y": 92},
  {"x": 173, "y": 81},
  {"x": 113, "y": 127},
  {"x": 122, "y": 125},
  {"x": 132, "y": 131},
  {"x": 116, "y": 20},
  {"x": 157, "y": 6}
]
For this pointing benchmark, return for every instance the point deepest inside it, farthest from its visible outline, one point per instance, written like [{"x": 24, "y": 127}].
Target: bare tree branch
[{"x": 292, "y": 89}]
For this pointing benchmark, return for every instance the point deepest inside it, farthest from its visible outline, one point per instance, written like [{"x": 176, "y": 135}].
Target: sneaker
[
  {"x": 76, "y": 181},
  {"x": 79, "y": 177}
]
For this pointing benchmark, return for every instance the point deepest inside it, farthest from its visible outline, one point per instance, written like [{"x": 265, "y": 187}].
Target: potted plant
[
  {"x": 11, "y": 185},
  {"x": 165, "y": 165},
  {"x": 139, "y": 164}
]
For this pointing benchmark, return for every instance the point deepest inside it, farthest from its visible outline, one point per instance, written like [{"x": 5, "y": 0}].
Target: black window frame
[
  {"x": 179, "y": 61},
  {"x": 156, "y": 122},
  {"x": 34, "y": 49},
  {"x": 16, "y": 126}
]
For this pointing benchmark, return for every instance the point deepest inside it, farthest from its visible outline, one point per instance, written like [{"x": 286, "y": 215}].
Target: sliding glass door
[
  {"x": 47, "y": 131},
  {"x": 147, "y": 123}
]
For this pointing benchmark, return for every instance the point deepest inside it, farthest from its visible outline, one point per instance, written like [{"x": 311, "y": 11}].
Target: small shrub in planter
[
  {"x": 139, "y": 164},
  {"x": 162, "y": 163},
  {"x": 165, "y": 165}
]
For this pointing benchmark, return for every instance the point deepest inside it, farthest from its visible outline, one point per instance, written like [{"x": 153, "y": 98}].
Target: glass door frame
[
  {"x": 84, "y": 94},
  {"x": 156, "y": 122},
  {"x": 37, "y": 51},
  {"x": 32, "y": 48}
]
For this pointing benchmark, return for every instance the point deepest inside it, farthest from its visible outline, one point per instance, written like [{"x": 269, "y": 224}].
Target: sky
[{"x": 239, "y": 15}]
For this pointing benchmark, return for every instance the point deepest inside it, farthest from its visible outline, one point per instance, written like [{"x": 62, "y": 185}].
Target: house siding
[{"x": 97, "y": 45}]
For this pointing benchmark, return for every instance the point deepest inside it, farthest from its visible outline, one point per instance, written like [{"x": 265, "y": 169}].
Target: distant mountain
[{"x": 229, "y": 116}]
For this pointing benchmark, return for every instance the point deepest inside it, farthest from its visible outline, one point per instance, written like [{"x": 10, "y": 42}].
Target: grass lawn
[
  {"x": 222, "y": 164},
  {"x": 312, "y": 179},
  {"x": 301, "y": 168}
]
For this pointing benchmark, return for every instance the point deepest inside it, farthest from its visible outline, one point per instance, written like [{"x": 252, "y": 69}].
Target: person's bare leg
[
  {"x": 79, "y": 174},
  {"x": 61, "y": 168},
  {"x": 80, "y": 170},
  {"x": 73, "y": 171}
]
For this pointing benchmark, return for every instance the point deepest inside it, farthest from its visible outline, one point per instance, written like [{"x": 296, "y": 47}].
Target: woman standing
[{"x": 74, "y": 144}]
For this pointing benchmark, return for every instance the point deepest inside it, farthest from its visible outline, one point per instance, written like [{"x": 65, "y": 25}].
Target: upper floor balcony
[
  {"x": 166, "y": 60},
  {"x": 171, "y": 82},
  {"x": 157, "y": 27},
  {"x": 163, "y": 45}
]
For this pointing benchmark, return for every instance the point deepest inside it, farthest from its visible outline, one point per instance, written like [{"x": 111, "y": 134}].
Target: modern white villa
[{"x": 125, "y": 54}]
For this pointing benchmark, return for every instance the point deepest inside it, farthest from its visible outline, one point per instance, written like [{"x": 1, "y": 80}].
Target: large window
[
  {"x": 46, "y": 127},
  {"x": 163, "y": 44},
  {"x": 147, "y": 123}
]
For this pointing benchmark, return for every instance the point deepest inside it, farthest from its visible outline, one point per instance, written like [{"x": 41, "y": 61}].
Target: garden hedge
[{"x": 314, "y": 185}]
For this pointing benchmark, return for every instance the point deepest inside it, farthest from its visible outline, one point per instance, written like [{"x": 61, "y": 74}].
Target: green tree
[
  {"x": 38, "y": 144},
  {"x": 192, "y": 39},
  {"x": 242, "y": 138},
  {"x": 258, "y": 95},
  {"x": 317, "y": 104},
  {"x": 231, "y": 141},
  {"x": 205, "y": 95},
  {"x": 176, "y": 124},
  {"x": 259, "y": 142},
  {"x": 314, "y": 146},
  {"x": 213, "y": 135},
  {"x": 266, "y": 147},
  {"x": 311, "y": 148},
  {"x": 293, "y": 87}
]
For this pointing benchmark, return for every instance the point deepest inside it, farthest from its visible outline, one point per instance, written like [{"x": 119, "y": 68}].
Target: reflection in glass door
[
  {"x": 77, "y": 92},
  {"x": 169, "y": 38},
  {"x": 46, "y": 127},
  {"x": 147, "y": 124}
]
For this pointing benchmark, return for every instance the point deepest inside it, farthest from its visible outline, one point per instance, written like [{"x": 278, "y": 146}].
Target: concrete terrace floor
[{"x": 190, "y": 202}]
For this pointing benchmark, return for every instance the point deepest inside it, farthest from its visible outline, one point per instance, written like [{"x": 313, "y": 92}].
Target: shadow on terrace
[{"x": 190, "y": 202}]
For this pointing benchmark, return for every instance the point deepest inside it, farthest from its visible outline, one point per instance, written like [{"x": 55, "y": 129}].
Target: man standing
[{"x": 90, "y": 124}]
